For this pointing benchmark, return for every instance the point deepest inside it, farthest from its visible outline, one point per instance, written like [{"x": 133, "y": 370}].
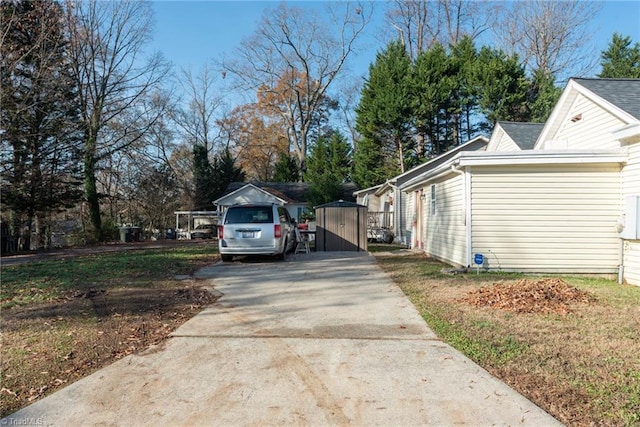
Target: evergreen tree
[
  {"x": 39, "y": 117},
  {"x": 621, "y": 60},
  {"x": 286, "y": 169},
  {"x": 432, "y": 81},
  {"x": 462, "y": 105},
  {"x": 370, "y": 165},
  {"x": 384, "y": 116},
  {"x": 203, "y": 179},
  {"x": 224, "y": 172},
  {"x": 543, "y": 96},
  {"x": 328, "y": 167},
  {"x": 502, "y": 87}
]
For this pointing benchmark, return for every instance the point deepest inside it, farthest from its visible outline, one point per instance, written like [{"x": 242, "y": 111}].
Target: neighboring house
[
  {"x": 380, "y": 210},
  {"x": 514, "y": 136},
  {"x": 391, "y": 208},
  {"x": 568, "y": 203},
  {"x": 291, "y": 195}
]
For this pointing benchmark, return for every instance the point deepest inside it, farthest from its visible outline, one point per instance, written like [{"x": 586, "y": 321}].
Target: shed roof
[{"x": 341, "y": 204}]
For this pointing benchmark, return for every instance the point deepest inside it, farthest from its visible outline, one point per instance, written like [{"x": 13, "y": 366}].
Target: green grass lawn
[
  {"x": 42, "y": 281},
  {"x": 583, "y": 367},
  {"x": 63, "y": 319}
]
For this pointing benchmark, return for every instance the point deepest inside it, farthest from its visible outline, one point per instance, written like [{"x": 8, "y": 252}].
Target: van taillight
[
  {"x": 220, "y": 232},
  {"x": 277, "y": 231}
]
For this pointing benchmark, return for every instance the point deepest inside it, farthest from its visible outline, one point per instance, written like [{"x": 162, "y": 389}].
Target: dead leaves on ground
[
  {"x": 50, "y": 344},
  {"x": 544, "y": 296}
]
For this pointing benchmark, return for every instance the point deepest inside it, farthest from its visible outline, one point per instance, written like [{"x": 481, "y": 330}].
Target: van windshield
[{"x": 249, "y": 215}]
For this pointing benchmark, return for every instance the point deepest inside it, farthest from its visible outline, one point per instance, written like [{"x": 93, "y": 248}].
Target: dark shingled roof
[
  {"x": 623, "y": 93},
  {"x": 291, "y": 192},
  {"x": 523, "y": 134}
]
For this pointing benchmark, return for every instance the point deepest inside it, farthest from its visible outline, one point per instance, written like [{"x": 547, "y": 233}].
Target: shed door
[{"x": 342, "y": 229}]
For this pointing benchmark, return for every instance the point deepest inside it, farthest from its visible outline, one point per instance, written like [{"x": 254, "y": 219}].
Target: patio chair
[{"x": 303, "y": 242}]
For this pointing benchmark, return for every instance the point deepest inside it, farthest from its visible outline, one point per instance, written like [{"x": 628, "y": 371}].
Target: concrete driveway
[{"x": 321, "y": 339}]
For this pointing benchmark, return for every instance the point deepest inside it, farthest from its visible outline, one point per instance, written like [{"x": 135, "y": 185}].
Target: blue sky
[{"x": 191, "y": 33}]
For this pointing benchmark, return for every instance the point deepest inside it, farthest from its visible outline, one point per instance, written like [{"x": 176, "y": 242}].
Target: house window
[{"x": 432, "y": 205}]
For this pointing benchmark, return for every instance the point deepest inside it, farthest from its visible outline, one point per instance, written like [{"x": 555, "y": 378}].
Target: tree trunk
[
  {"x": 16, "y": 232},
  {"x": 455, "y": 128},
  {"x": 400, "y": 148},
  {"x": 91, "y": 190},
  {"x": 26, "y": 237}
]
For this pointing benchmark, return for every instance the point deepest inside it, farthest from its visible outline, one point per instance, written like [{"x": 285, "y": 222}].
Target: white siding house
[
  {"x": 551, "y": 218},
  {"x": 631, "y": 190},
  {"x": 401, "y": 207},
  {"x": 549, "y": 198},
  {"x": 445, "y": 231},
  {"x": 514, "y": 136},
  {"x": 250, "y": 193},
  {"x": 293, "y": 196}
]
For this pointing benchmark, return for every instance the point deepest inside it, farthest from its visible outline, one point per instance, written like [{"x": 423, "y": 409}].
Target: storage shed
[{"x": 341, "y": 226}]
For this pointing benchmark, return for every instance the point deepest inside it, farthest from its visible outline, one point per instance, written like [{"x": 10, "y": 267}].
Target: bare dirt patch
[
  {"x": 542, "y": 296},
  {"x": 49, "y": 345}
]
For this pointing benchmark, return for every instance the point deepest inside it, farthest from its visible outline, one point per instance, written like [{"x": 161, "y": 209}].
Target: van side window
[{"x": 282, "y": 212}]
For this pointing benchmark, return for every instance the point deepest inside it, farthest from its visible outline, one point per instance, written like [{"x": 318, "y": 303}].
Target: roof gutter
[
  {"x": 547, "y": 157},
  {"x": 433, "y": 174},
  {"x": 628, "y": 134}
]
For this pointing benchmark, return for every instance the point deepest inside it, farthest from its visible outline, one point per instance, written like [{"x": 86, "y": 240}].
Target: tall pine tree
[
  {"x": 621, "y": 59},
  {"x": 212, "y": 179},
  {"x": 39, "y": 118},
  {"x": 224, "y": 172},
  {"x": 286, "y": 169},
  {"x": 328, "y": 167},
  {"x": 543, "y": 96},
  {"x": 203, "y": 179},
  {"x": 384, "y": 116},
  {"x": 432, "y": 81},
  {"x": 502, "y": 87}
]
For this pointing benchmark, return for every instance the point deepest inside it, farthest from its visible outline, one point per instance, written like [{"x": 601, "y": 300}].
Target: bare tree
[
  {"x": 107, "y": 42},
  {"x": 551, "y": 36},
  {"x": 349, "y": 93},
  {"x": 197, "y": 118},
  {"x": 293, "y": 58},
  {"x": 420, "y": 24}
]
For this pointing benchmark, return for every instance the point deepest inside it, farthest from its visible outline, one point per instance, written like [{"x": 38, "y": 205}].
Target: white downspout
[
  {"x": 621, "y": 262},
  {"x": 466, "y": 202}
]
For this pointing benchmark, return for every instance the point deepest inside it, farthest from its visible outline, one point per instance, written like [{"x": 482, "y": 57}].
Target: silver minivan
[{"x": 256, "y": 229}]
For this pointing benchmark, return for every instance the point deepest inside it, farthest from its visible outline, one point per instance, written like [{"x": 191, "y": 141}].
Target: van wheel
[
  {"x": 282, "y": 256},
  {"x": 226, "y": 258}
]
